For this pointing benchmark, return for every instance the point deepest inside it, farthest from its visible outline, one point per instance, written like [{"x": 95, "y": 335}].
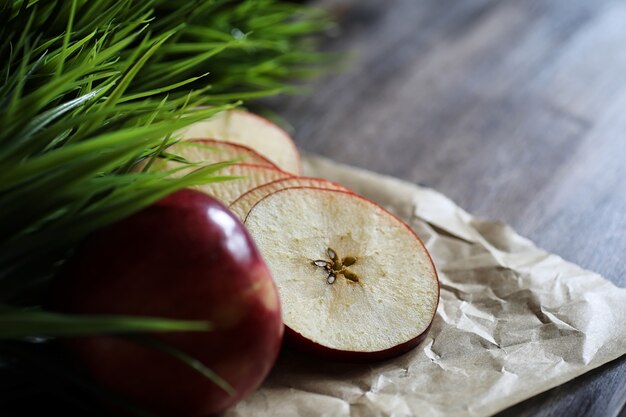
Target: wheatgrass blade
[{"x": 19, "y": 324}]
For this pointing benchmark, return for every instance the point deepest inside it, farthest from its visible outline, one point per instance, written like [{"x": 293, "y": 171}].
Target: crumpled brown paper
[{"x": 513, "y": 321}]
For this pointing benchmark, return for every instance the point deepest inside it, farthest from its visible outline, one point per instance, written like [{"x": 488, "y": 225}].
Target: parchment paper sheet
[{"x": 513, "y": 321}]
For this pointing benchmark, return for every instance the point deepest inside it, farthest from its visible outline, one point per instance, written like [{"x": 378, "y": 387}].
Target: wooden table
[{"x": 516, "y": 109}]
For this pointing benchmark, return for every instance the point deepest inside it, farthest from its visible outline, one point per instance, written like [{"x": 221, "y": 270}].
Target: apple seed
[
  {"x": 350, "y": 275},
  {"x": 337, "y": 266}
]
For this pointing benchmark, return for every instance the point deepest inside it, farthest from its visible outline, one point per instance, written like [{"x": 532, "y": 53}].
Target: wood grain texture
[{"x": 514, "y": 109}]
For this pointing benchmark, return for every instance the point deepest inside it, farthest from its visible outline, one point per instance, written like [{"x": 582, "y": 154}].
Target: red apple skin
[{"x": 185, "y": 257}]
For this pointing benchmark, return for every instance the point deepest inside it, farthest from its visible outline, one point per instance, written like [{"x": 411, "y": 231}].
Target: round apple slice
[
  {"x": 251, "y": 177},
  {"x": 248, "y": 129},
  {"x": 355, "y": 282},
  {"x": 212, "y": 150},
  {"x": 207, "y": 151},
  {"x": 245, "y": 202},
  {"x": 203, "y": 151}
]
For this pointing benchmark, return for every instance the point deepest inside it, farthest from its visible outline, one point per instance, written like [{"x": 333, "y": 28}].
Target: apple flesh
[
  {"x": 355, "y": 282},
  {"x": 185, "y": 257},
  {"x": 248, "y": 176},
  {"x": 212, "y": 151},
  {"x": 251, "y": 176},
  {"x": 242, "y": 206},
  {"x": 248, "y": 129}
]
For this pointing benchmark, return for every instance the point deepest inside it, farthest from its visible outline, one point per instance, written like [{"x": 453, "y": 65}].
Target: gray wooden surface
[{"x": 516, "y": 109}]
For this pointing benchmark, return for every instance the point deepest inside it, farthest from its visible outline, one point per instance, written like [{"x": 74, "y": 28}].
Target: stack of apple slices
[{"x": 355, "y": 282}]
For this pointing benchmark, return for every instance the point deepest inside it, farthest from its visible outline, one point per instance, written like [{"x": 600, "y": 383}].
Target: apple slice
[
  {"x": 228, "y": 191},
  {"x": 212, "y": 150},
  {"x": 248, "y": 129},
  {"x": 355, "y": 282},
  {"x": 252, "y": 176},
  {"x": 207, "y": 151},
  {"x": 245, "y": 202},
  {"x": 202, "y": 151}
]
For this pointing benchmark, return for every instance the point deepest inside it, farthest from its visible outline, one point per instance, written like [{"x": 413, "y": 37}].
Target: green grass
[{"x": 89, "y": 89}]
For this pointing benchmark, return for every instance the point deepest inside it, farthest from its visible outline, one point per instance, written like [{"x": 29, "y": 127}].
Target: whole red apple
[{"x": 185, "y": 257}]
